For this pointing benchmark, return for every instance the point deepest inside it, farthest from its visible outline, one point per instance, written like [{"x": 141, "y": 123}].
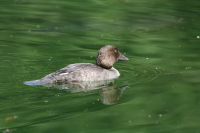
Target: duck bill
[{"x": 122, "y": 58}]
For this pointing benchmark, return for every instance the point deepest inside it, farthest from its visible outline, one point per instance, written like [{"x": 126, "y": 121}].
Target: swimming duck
[{"x": 81, "y": 72}]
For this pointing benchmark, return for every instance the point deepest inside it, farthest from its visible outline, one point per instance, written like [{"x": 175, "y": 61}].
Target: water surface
[{"x": 158, "y": 90}]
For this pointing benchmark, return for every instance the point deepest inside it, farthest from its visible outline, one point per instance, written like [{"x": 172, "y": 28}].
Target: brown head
[{"x": 108, "y": 55}]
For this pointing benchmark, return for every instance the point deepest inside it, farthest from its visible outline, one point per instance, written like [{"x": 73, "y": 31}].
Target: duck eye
[{"x": 116, "y": 51}]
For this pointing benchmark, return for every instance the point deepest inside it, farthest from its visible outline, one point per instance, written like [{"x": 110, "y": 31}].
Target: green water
[{"x": 159, "y": 87}]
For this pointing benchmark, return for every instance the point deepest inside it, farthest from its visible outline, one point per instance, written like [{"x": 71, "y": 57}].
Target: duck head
[{"x": 108, "y": 55}]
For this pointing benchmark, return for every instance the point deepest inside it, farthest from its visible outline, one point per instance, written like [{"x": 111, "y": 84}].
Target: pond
[{"x": 159, "y": 86}]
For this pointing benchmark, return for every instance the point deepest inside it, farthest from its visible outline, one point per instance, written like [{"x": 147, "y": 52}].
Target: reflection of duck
[
  {"x": 81, "y": 72},
  {"x": 109, "y": 93},
  {"x": 112, "y": 94},
  {"x": 81, "y": 86}
]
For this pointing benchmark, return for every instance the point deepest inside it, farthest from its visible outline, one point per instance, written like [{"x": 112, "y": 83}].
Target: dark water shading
[{"x": 160, "y": 38}]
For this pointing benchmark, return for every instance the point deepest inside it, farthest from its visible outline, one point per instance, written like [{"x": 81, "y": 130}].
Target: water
[{"x": 158, "y": 90}]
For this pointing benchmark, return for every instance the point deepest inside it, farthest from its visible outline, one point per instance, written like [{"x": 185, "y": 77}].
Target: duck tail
[{"x": 34, "y": 82}]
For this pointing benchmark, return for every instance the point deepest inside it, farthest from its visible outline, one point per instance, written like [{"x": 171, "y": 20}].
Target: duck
[{"x": 86, "y": 72}]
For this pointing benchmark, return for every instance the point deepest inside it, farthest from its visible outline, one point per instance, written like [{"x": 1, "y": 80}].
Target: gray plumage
[{"x": 81, "y": 72}]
